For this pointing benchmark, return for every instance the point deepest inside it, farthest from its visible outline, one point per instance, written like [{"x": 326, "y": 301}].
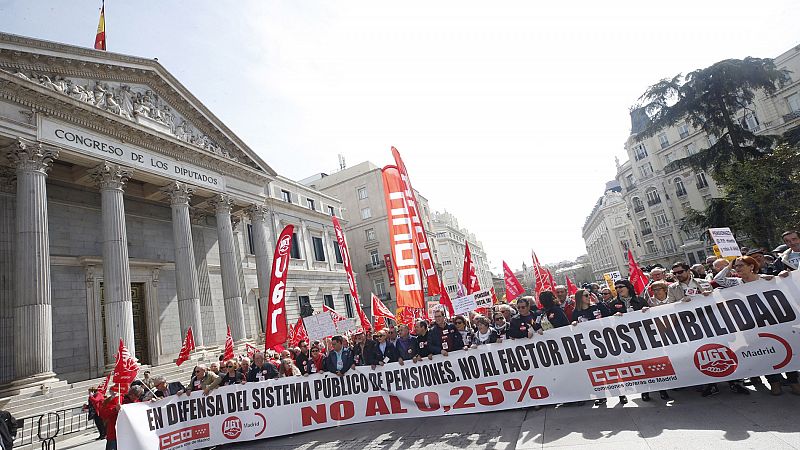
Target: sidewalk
[{"x": 727, "y": 420}]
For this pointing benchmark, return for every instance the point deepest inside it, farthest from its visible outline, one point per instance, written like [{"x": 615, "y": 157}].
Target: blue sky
[{"x": 508, "y": 114}]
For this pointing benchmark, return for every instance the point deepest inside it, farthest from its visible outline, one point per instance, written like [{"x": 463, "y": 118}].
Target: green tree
[
  {"x": 762, "y": 198},
  {"x": 712, "y": 99}
]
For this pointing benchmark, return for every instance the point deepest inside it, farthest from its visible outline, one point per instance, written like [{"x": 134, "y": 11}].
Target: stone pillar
[
  {"x": 33, "y": 310},
  {"x": 185, "y": 270},
  {"x": 111, "y": 179},
  {"x": 8, "y": 191},
  {"x": 234, "y": 313},
  {"x": 259, "y": 217}
]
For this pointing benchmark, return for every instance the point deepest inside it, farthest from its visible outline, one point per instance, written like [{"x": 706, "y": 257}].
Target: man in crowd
[
  {"x": 261, "y": 370},
  {"x": 301, "y": 360},
  {"x": 8, "y": 429},
  {"x": 790, "y": 259},
  {"x": 444, "y": 337},
  {"x": 422, "y": 349},
  {"x": 163, "y": 390},
  {"x": 765, "y": 267},
  {"x": 685, "y": 284},
  {"x": 562, "y": 299},
  {"x": 339, "y": 359},
  {"x": 362, "y": 348},
  {"x": 656, "y": 274},
  {"x": 391, "y": 335},
  {"x": 524, "y": 323}
]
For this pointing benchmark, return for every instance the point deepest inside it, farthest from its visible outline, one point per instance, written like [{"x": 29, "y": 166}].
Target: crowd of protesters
[{"x": 523, "y": 318}]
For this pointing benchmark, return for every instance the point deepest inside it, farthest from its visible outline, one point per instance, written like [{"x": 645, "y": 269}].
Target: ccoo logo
[
  {"x": 232, "y": 427},
  {"x": 715, "y": 360}
]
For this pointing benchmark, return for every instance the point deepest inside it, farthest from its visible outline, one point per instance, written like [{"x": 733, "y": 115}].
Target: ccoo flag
[{"x": 100, "y": 38}]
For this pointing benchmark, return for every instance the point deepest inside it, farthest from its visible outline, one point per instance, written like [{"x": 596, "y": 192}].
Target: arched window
[
  {"x": 680, "y": 189},
  {"x": 652, "y": 197},
  {"x": 637, "y": 204}
]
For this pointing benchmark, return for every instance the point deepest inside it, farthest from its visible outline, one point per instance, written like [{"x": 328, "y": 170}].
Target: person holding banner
[
  {"x": 585, "y": 310},
  {"x": 301, "y": 359},
  {"x": 315, "y": 362},
  {"x": 485, "y": 333},
  {"x": 523, "y": 324},
  {"x": 383, "y": 351},
  {"x": 463, "y": 328},
  {"x": 288, "y": 369},
  {"x": 659, "y": 298},
  {"x": 261, "y": 370},
  {"x": 422, "y": 349},
  {"x": 230, "y": 377},
  {"x": 500, "y": 326},
  {"x": 340, "y": 358},
  {"x": 405, "y": 344},
  {"x": 201, "y": 379},
  {"x": 443, "y": 337},
  {"x": 685, "y": 284},
  {"x": 109, "y": 411},
  {"x": 551, "y": 315},
  {"x": 627, "y": 300},
  {"x": 362, "y": 348}
]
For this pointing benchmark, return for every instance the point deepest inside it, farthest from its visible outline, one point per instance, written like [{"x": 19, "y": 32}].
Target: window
[
  {"x": 374, "y": 257},
  {"x": 251, "y": 244},
  {"x": 651, "y": 247},
  {"x": 311, "y": 204},
  {"x": 701, "y": 180},
  {"x": 750, "y": 122},
  {"x": 663, "y": 140},
  {"x": 667, "y": 158},
  {"x": 706, "y": 200},
  {"x": 380, "y": 286},
  {"x": 639, "y": 152},
  {"x": 366, "y": 213},
  {"x": 683, "y": 130},
  {"x": 646, "y": 170},
  {"x": 668, "y": 243},
  {"x": 362, "y": 193},
  {"x": 711, "y": 139},
  {"x": 305, "y": 306},
  {"x": 348, "y": 306},
  {"x": 680, "y": 189},
  {"x": 370, "y": 232},
  {"x": 295, "y": 253},
  {"x": 652, "y": 197},
  {"x": 661, "y": 219},
  {"x": 691, "y": 149},
  {"x": 644, "y": 224},
  {"x": 328, "y": 299},
  {"x": 287, "y": 196},
  {"x": 626, "y": 245},
  {"x": 794, "y": 102},
  {"x": 337, "y": 252},
  {"x": 638, "y": 206},
  {"x": 331, "y": 211},
  {"x": 319, "y": 248},
  {"x": 630, "y": 181},
  {"x": 692, "y": 259}
]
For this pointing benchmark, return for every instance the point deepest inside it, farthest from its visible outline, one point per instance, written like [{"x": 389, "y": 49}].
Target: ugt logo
[
  {"x": 715, "y": 360},
  {"x": 232, "y": 427}
]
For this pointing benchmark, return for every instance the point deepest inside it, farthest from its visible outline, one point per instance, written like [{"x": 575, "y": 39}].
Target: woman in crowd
[
  {"x": 585, "y": 310},
  {"x": 288, "y": 369},
  {"x": 467, "y": 336},
  {"x": 659, "y": 297},
  {"x": 231, "y": 376},
  {"x": 313, "y": 364},
  {"x": 485, "y": 333},
  {"x": 551, "y": 315},
  {"x": 500, "y": 325},
  {"x": 626, "y": 301}
]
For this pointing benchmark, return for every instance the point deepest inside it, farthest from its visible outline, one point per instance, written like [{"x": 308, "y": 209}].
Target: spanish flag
[{"x": 100, "y": 39}]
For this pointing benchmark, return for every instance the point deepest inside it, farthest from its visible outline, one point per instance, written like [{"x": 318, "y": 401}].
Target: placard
[
  {"x": 726, "y": 242},
  {"x": 465, "y": 304},
  {"x": 483, "y": 298},
  {"x": 320, "y": 326}
]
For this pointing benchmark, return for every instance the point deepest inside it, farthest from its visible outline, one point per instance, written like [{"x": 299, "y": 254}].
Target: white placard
[
  {"x": 726, "y": 242},
  {"x": 346, "y": 326},
  {"x": 320, "y": 326},
  {"x": 111, "y": 149},
  {"x": 615, "y": 275},
  {"x": 483, "y": 298},
  {"x": 465, "y": 304}
]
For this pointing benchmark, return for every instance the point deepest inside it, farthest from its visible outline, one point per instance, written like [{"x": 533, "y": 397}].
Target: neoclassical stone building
[{"x": 128, "y": 210}]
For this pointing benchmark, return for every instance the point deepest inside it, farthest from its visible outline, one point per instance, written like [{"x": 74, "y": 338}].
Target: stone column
[
  {"x": 111, "y": 179},
  {"x": 234, "y": 313},
  {"x": 185, "y": 270},
  {"x": 259, "y": 217},
  {"x": 33, "y": 311}
]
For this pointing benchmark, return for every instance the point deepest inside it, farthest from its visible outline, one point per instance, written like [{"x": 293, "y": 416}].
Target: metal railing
[
  {"x": 46, "y": 427},
  {"x": 379, "y": 265}
]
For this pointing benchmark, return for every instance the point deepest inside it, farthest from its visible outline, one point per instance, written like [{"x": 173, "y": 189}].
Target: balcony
[
  {"x": 664, "y": 144},
  {"x": 684, "y": 134},
  {"x": 378, "y": 266},
  {"x": 680, "y": 192},
  {"x": 661, "y": 226},
  {"x": 702, "y": 185},
  {"x": 791, "y": 116},
  {"x": 638, "y": 208},
  {"x": 653, "y": 202},
  {"x": 647, "y": 231}
]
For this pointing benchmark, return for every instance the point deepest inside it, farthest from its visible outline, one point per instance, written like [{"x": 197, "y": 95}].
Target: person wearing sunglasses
[
  {"x": 626, "y": 301},
  {"x": 523, "y": 324},
  {"x": 499, "y": 325},
  {"x": 383, "y": 351},
  {"x": 201, "y": 379},
  {"x": 585, "y": 310},
  {"x": 467, "y": 335},
  {"x": 314, "y": 362},
  {"x": 686, "y": 285},
  {"x": 230, "y": 376}
]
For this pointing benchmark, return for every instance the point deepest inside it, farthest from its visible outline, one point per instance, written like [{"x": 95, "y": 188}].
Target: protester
[
  {"x": 508, "y": 312},
  {"x": 443, "y": 336},
  {"x": 91, "y": 407},
  {"x": 790, "y": 258},
  {"x": 626, "y": 300},
  {"x": 315, "y": 362},
  {"x": 551, "y": 316},
  {"x": 244, "y": 366},
  {"x": 422, "y": 350},
  {"x": 698, "y": 271},
  {"x": 288, "y": 369},
  {"x": 362, "y": 348},
  {"x": 383, "y": 351},
  {"x": 485, "y": 334},
  {"x": 340, "y": 359},
  {"x": 656, "y": 274},
  {"x": 685, "y": 285},
  {"x": 8, "y": 429},
  {"x": 261, "y": 370},
  {"x": 523, "y": 324},
  {"x": 301, "y": 359},
  {"x": 391, "y": 335},
  {"x": 230, "y": 377},
  {"x": 605, "y": 296},
  {"x": 201, "y": 379},
  {"x": 658, "y": 298},
  {"x": 214, "y": 368},
  {"x": 585, "y": 310},
  {"x": 761, "y": 256},
  {"x": 405, "y": 344},
  {"x": 562, "y": 299},
  {"x": 500, "y": 325},
  {"x": 163, "y": 390},
  {"x": 464, "y": 329},
  {"x": 110, "y": 410}
]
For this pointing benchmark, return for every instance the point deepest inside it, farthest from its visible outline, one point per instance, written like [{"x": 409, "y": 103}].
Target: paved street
[{"x": 732, "y": 421}]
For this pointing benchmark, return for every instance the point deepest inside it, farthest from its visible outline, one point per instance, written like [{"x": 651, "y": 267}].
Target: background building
[
  {"x": 608, "y": 233},
  {"x": 451, "y": 241}
]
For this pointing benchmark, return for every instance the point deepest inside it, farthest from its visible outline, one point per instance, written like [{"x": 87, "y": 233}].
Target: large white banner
[{"x": 735, "y": 333}]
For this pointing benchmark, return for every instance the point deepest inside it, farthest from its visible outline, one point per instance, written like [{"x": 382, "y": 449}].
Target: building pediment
[{"x": 133, "y": 89}]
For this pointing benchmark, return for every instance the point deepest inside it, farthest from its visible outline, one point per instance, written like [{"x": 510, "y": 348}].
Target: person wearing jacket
[
  {"x": 340, "y": 358},
  {"x": 288, "y": 369},
  {"x": 443, "y": 337},
  {"x": 301, "y": 360},
  {"x": 422, "y": 349},
  {"x": 790, "y": 259},
  {"x": 201, "y": 380},
  {"x": 585, "y": 310},
  {"x": 383, "y": 351},
  {"x": 465, "y": 330},
  {"x": 685, "y": 285},
  {"x": 230, "y": 376},
  {"x": 109, "y": 410},
  {"x": 91, "y": 406},
  {"x": 485, "y": 334},
  {"x": 523, "y": 324},
  {"x": 362, "y": 348},
  {"x": 627, "y": 300},
  {"x": 315, "y": 362},
  {"x": 405, "y": 344},
  {"x": 551, "y": 316},
  {"x": 261, "y": 370},
  {"x": 8, "y": 429}
]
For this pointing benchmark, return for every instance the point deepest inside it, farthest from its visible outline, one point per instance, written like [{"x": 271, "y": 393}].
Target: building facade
[
  {"x": 451, "y": 243},
  {"x": 608, "y": 234},
  {"x": 360, "y": 189},
  {"x": 129, "y": 211},
  {"x": 659, "y": 197}
]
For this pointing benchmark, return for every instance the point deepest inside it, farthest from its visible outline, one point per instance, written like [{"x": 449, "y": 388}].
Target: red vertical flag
[
  {"x": 444, "y": 299},
  {"x": 571, "y": 288},
  {"x": 636, "y": 275},
  {"x": 125, "y": 369},
  {"x": 379, "y": 309},
  {"x": 351, "y": 279},
  {"x": 403, "y": 242},
  {"x": 542, "y": 278},
  {"x": 188, "y": 347},
  {"x": 100, "y": 38},
  {"x": 513, "y": 287},
  {"x": 421, "y": 238},
  {"x": 468, "y": 277},
  {"x": 277, "y": 329},
  {"x": 228, "y": 346},
  {"x": 300, "y": 333}
]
